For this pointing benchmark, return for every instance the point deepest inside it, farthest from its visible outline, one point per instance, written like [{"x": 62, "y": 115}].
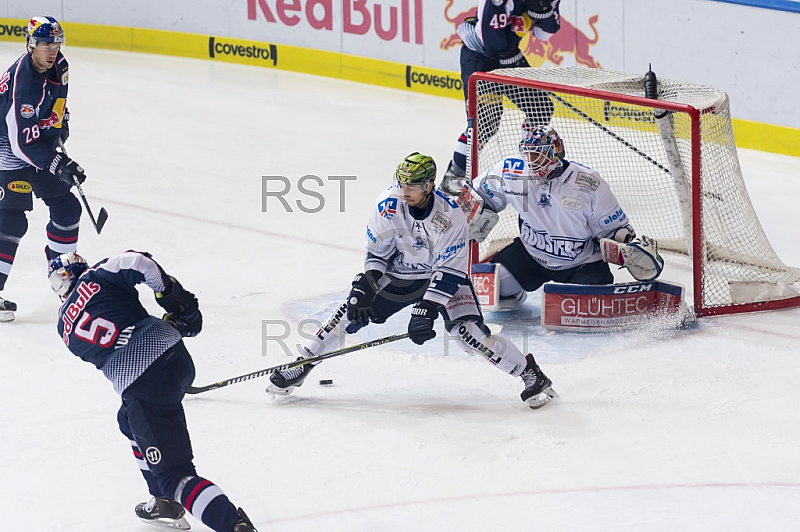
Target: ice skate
[
  {"x": 284, "y": 382},
  {"x": 7, "y": 309},
  {"x": 538, "y": 388},
  {"x": 244, "y": 524},
  {"x": 163, "y": 512}
]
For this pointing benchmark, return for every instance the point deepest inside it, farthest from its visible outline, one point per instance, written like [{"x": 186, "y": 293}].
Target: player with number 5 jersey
[{"x": 103, "y": 322}]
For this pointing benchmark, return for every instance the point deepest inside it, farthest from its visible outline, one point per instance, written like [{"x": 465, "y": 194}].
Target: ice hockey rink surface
[{"x": 656, "y": 430}]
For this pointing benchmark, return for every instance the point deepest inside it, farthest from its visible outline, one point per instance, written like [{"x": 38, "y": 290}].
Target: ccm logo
[{"x": 633, "y": 289}]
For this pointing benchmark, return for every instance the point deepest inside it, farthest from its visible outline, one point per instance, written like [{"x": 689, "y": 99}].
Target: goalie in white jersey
[
  {"x": 417, "y": 255},
  {"x": 566, "y": 211}
]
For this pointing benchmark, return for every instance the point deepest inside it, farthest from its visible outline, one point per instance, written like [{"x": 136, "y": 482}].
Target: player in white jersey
[
  {"x": 417, "y": 255},
  {"x": 565, "y": 209}
]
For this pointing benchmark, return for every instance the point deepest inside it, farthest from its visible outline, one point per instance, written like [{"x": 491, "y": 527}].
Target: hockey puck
[{"x": 326, "y": 382}]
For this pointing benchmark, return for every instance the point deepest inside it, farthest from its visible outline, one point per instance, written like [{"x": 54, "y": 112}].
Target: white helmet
[{"x": 63, "y": 272}]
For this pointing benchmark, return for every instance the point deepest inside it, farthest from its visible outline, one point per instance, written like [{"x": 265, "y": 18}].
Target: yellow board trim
[{"x": 748, "y": 134}]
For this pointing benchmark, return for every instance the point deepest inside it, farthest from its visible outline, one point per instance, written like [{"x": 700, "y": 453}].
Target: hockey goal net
[{"x": 671, "y": 162}]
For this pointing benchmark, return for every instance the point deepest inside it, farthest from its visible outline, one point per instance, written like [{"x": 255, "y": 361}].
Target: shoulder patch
[
  {"x": 441, "y": 221},
  {"x": 587, "y": 181},
  {"x": 450, "y": 201},
  {"x": 387, "y": 208}
]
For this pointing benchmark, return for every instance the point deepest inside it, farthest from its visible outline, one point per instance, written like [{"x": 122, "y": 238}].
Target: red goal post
[{"x": 671, "y": 162}]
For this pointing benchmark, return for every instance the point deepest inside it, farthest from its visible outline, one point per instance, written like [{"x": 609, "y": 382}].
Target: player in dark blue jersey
[
  {"x": 33, "y": 103},
  {"x": 103, "y": 322},
  {"x": 491, "y": 41}
]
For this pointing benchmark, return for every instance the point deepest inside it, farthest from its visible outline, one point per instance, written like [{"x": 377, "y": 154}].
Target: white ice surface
[{"x": 655, "y": 431}]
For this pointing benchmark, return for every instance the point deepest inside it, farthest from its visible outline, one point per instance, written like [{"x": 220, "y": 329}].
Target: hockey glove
[
  {"x": 420, "y": 327},
  {"x": 66, "y": 169},
  {"x": 642, "y": 259},
  {"x": 187, "y": 326},
  {"x": 640, "y": 256},
  {"x": 64, "y": 135},
  {"x": 183, "y": 310},
  {"x": 513, "y": 58},
  {"x": 540, "y": 7},
  {"x": 481, "y": 217},
  {"x": 362, "y": 297}
]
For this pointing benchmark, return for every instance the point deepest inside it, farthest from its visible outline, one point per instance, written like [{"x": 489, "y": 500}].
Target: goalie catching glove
[
  {"x": 640, "y": 256},
  {"x": 183, "y": 310}
]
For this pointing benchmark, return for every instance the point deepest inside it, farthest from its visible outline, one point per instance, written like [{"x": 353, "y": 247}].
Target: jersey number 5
[{"x": 96, "y": 327}]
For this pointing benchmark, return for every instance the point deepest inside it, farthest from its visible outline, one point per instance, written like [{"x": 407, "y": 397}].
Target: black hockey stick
[
  {"x": 297, "y": 363},
  {"x": 103, "y": 215},
  {"x": 606, "y": 130}
]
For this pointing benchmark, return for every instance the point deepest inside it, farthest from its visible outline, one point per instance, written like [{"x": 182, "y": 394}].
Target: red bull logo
[{"x": 568, "y": 40}]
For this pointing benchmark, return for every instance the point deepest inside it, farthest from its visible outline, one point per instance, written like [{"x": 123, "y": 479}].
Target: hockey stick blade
[
  {"x": 101, "y": 219},
  {"x": 102, "y": 216},
  {"x": 297, "y": 363}
]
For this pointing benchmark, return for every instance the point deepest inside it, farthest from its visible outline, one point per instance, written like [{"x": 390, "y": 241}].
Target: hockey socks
[{"x": 207, "y": 502}]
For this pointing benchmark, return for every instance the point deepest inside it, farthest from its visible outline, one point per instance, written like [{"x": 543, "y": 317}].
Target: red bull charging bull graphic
[{"x": 569, "y": 40}]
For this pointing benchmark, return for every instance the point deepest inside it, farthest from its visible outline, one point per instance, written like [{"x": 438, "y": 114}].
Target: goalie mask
[
  {"x": 43, "y": 29},
  {"x": 416, "y": 170},
  {"x": 543, "y": 150},
  {"x": 63, "y": 272}
]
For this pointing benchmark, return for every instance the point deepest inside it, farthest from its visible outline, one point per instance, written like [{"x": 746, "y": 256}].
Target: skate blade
[
  {"x": 6, "y": 315},
  {"x": 545, "y": 397},
  {"x": 274, "y": 390},
  {"x": 176, "y": 524}
]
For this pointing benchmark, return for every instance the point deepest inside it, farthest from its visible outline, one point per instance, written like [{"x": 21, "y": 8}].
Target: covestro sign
[
  {"x": 433, "y": 81},
  {"x": 232, "y": 49}
]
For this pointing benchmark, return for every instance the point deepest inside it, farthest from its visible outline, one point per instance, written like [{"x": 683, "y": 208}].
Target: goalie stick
[
  {"x": 297, "y": 363},
  {"x": 102, "y": 215}
]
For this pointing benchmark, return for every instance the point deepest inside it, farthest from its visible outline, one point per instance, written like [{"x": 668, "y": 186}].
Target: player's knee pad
[
  {"x": 13, "y": 223},
  {"x": 65, "y": 209}
]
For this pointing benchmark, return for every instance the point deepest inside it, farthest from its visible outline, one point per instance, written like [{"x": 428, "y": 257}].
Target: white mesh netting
[{"x": 623, "y": 143}]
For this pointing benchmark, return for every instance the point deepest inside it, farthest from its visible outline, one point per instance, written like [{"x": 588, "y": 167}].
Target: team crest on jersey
[
  {"x": 388, "y": 208},
  {"x": 420, "y": 243},
  {"x": 65, "y": 77},
  {"x": 513, "y": 168},
  {"x": 587, "y": 181},
  {"x": 544, "y": 200},
  {"x": 26, "y": 110},
  {"x": 441, "y": 222}
]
